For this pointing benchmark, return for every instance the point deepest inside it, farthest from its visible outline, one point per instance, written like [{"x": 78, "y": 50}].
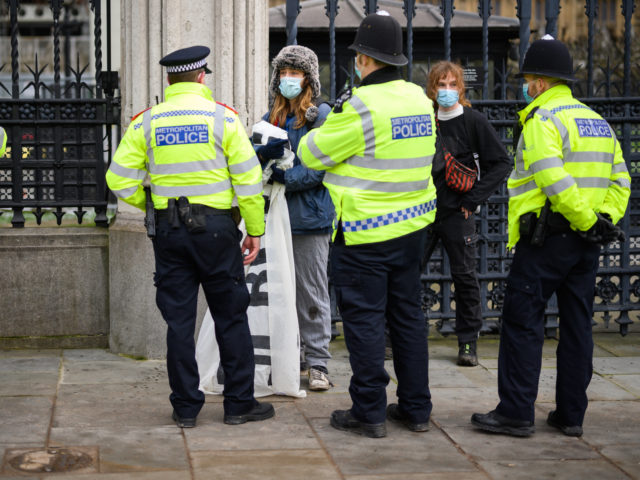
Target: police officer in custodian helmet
[
  {"x": 198, "y": 156},
  {"x": 376, "y": 147},
  {"x": 569, "y": 188}
]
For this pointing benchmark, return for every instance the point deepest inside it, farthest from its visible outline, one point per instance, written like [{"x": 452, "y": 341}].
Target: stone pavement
[{"x": 108, "y": 416}]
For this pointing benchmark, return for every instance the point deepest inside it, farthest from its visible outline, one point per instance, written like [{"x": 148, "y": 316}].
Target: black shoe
[
  {"x": 467, "y": 356},
  {"x": 342, "y": 420},
  {"x": 395, "y": 414},
  {"x": 261, "y": 411},
  {"x": 183, "y": 422},
  {"x": 494, "y": 422},
  {"x": 569, "y": 430}
]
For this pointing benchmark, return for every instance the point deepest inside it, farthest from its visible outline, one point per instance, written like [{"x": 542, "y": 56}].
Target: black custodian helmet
[
  {"x": 379, "y": 36},
  {"x": 548, "y": 57}
]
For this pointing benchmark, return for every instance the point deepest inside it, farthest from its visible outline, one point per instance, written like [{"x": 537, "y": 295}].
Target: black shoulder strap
[{"x": 471, "y": 128}]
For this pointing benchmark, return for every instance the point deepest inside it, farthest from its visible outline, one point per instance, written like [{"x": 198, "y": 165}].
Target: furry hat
[{"x": 300, "y": 58}]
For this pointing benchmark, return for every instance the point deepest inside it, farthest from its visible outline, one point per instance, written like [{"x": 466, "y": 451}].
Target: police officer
[
  {"x": 3, "y": 141},
  {"x": 198, "y": 157},
  {"x": 569, "y": 187},
  {"x": 377, "y": 147}
]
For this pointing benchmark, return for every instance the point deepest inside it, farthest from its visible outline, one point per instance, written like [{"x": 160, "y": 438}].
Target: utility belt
[
  {"x": 535, "y": 229},
  {"x": 193, "y": 216}
]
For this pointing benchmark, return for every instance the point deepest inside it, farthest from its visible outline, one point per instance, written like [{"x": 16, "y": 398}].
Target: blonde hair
[
  {"x": 299, "y": 105},
  {"x": 441, "y": 70}
]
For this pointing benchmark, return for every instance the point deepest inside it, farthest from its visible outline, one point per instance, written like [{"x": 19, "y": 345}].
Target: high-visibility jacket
[
  {"x": 192, "y": 147},
  {"x": 570, "y": 155},
  {"x": 3, "y": 141},
  {"x": 377, "y": 154}
]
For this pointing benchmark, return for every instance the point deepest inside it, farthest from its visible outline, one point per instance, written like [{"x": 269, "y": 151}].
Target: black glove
[
  {"x": 277, "y": 174},
  {"x": 273, "y": 149},
  {"x": 603, "y": 231}
]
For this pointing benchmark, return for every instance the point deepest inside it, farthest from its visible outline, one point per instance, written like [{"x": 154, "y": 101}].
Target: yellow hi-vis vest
[
  {"x": 3, "y": 141},
  {"x": 377, "y": 154},
  {"x": 192, "y": 147},
  {"x": 569, "y": 154}
]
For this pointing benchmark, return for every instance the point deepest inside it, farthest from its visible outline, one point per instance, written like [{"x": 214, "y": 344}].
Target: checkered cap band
[{"x": 187, "y": 67}]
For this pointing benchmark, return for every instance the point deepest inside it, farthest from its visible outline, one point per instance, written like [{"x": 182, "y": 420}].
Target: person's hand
[
  {"x": 603, "y": 231},
  {"x": 253, "y": 245},
  {"x": 273, "y": 149},
  {"x": 277, "y": 174},
  {"x": 467, "y": 213}
]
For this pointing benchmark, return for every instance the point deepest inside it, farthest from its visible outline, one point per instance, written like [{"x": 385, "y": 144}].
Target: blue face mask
[
  {"x": 356, "y": 69},
  {"x": 447, "y": 98},
  {"x": 290, "y": 87},
  {"x": 525, "y": 93}
]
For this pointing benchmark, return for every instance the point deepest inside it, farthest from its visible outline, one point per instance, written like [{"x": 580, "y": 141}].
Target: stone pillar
[{"x": 238, "y": 34}]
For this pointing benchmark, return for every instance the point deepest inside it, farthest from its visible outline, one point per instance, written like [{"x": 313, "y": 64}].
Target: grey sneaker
[{"x": 318, "y": 380}]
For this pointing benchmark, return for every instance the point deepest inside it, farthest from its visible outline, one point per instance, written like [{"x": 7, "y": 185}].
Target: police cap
[
  {"x": 548, "y": 57},
  {"x": 186, "y": 60},
  {"x": 379, "y": 36}
]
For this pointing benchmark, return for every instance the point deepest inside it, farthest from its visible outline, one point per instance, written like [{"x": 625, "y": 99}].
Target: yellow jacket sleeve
[
  {"x": 340, "y": 137},
  {"x": 619, "y": 191},
  {"x": 3, "y": 141},
  {"x": 543, "y": 156},
  {"x": 127, "y": 169},
  {"x": 245, "y": 172}
]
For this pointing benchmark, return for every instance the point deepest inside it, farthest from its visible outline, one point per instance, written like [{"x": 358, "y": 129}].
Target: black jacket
[{"x": 495, "y": 162}]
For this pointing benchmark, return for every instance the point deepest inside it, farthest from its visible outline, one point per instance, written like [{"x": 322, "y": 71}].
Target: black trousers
[
  {"x": 459, "y": 240},
  {"x": 567, "y": 265},
  {"x": 212, "y": 258},
  {"x": 373, "y": 282}
]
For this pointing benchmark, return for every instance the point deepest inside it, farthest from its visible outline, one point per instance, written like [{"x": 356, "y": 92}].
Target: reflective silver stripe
[
  {"x": 1, "y": 136},
  {"x": 594, "y": 157},
  {"x": 519, "y": 159},
  {"x": 184, "y": 167},
  {"x": 191, "y": 190},
  {"x": 619, "y": 168},
  {"x": 390, "y": 163},
  {"x": 524, "y": 188},
  {"x": 245, "y": 166},
  {"x": 218, "y": 133},
  {"x": 389, "y": 187},
  {"x": 592, "y": 182},
  {"x": 146, "y": 126},
  {"x": 246, "y": 190},
  {"x": 545, "y": 163},
  {"x": 126, "y": 172},
  {"x": 622, "y": 182},
  {"x": 315, "y": 151},
  {"x": 367, "y": 126},
  {"x": 559, "y": 186},
  {"x": 125, "y": 192}
]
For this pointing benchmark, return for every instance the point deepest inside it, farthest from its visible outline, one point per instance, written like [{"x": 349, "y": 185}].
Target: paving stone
[
  {"x": 112, "y": 405},
  {"x": 479, "y": 376},
  {"x": 288, "y": 430},
  {"x": 546, "y": 443},
  {"x": 28, "y": 383},
  {"x": 612, "y": 423},
  {"x": 447, "y": 376},
  {"x": 155, "y": 475},
  {"x": 454, "y": 406},
  {"x": 322, "y": 406},
  {"x": 464, "y": 475},
  {"x": 400, "y": 452},
  {"x": 24, "y": 419},
  {"x": 102, "y": 372},
  {"x": 30, "y": 364},
  {"x": 626, "y": 456},
  {"x": 126, "y": 449},
  {"x": 631, "y": 383},
  {"x": 48, "y": 353},
  {"x": 93, "y": 355},
  {"x": 3, "y": 448},
  {"x": 565, "y": 470},
  {"x": 616, "y": 365},
  {"x": 628, "y": 346},
  {"x": 264, "y": 464}
]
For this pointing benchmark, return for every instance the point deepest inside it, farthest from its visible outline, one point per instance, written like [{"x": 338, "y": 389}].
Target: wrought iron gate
[
  {"x": 608, "y": 88},
  {"x": 61, "y": 120}
]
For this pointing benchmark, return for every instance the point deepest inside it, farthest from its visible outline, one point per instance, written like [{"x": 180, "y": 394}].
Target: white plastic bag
[{"x": 272, "y": 313}]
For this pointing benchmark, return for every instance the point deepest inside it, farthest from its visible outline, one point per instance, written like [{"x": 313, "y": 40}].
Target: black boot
[{"x": 467, "y": 356}]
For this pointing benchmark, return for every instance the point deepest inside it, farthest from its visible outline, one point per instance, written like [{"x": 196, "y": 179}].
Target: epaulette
[
  {"x": 139, "y": 113},
  {"x": 344, "y": 97},
  {"x": 227, "y": 106},
  {"x": 531, "y": 114}
]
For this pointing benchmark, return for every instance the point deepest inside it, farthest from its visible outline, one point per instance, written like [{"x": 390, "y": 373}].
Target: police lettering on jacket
[
  {"x": 411, "y": 126},
  {"x": 182, "y": 134}
]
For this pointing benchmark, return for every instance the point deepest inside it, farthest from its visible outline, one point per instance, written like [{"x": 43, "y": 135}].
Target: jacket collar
[
  {"x": 383, "y": 75},
  {"x": 554, "y": 92},
  {"x": 183, "y": 88}
]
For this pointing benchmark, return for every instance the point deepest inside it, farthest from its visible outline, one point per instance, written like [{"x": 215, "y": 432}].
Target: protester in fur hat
[{"x": 294, "y": 87}]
